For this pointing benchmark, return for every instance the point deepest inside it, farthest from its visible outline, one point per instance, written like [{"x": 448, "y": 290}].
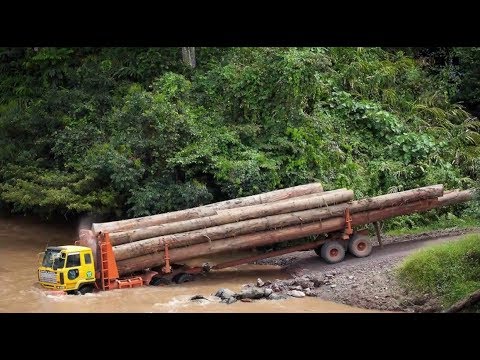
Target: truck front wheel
[{"x": 85, "y": 289}]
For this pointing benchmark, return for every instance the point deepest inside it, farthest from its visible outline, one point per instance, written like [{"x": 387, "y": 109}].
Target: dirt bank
[{"x": 370, "y": 282}]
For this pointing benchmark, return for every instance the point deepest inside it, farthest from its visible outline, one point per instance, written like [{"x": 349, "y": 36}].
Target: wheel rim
[
  {"x": 361, "y": 246},
  {"x": 333, "y": 252}
]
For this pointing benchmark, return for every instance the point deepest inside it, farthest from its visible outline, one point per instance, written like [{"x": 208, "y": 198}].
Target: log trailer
[{"x": 93, "y": 264}]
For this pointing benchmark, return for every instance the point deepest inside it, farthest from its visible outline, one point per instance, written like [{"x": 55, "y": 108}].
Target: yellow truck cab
[{"x": 69, "y": 268}]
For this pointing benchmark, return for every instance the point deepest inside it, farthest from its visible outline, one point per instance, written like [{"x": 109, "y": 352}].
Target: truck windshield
[{"x": 53, "y": 256}]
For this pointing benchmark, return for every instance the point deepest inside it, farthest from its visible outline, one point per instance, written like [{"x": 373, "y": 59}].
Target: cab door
[
  {"x": 87, "y": 271},
  {"x": 73, "y": 271}
]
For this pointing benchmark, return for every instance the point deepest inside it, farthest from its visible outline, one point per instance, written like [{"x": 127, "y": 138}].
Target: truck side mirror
[
  {"x": 56, "y": 262},
  {"x": 40, "y": 256}
]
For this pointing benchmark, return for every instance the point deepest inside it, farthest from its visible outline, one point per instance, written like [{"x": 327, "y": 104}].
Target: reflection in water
[{"x": 21, "y": 240}]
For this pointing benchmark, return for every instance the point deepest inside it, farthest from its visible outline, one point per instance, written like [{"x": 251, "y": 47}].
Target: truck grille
[{"x": 48, "y": 276}]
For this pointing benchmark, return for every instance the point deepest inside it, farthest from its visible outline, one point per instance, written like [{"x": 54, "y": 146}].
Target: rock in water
[
  {"x": 260, "y": 283},
  {"x": 268, "y": 292},
  {"x": 252, "y": 293},
  {"x": 231, "y": 300},
  {"x": 296, "y": 293},
  {"x": 214, "y": 298},
  {"x": 224, "y": 293},
  {"x": 276, "y": 296},
  {"x": 198, "y": 297}
]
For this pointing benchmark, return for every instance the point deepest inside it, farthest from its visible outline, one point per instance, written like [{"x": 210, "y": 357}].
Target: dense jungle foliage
[{"x": 125, "y": 132}]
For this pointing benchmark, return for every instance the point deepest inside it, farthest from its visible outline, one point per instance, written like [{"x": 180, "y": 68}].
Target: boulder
[
  {"x": 309, "y": 292},
  {"x": 304, "y": 282},
  {"x": 296, "y": 287},
  {"x": 276, "y": 296},
  {"x": 224, "y": 293},
  {"x": 230, "y": 300},
  {"x": 296, "y": 293},
  {"x": 251, "y": 293}
]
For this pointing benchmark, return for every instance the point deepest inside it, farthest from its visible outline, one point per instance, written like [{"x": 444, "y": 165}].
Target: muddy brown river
[{"x": 21, "y": 239}]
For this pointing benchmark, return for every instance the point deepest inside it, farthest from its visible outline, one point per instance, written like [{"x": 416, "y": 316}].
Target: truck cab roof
[{"x": 69, "y": 248}]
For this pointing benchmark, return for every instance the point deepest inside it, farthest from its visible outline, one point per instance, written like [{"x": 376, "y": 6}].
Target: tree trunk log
[
  {"x": 288, "y": 233},
  {"x": 188, "y": 56},
  {"x": 465, "y": 303},
  {"x": 207, "y": 210},
  {"x": 231, "y": 230},
  {"x": 378, "y": 233},
  {"x": 233, "y": 215},
  {"x": 457, "y": 196}
]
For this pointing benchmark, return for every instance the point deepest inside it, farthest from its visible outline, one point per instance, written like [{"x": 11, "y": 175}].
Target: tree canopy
[{"x": 134, "y": 131}]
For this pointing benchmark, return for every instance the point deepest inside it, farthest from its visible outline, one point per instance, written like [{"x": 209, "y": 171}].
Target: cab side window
[
  {"x": 73, "y": 260},
  {"x": 88, "y": 259}
]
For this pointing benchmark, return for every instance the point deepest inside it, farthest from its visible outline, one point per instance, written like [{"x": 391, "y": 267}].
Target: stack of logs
[{"x": 258, "y": 220}]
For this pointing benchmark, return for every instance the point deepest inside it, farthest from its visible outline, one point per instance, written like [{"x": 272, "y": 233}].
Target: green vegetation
[
  {"x": 437, "y": 224},
  {"x": 449, "y": 271},
  {"x": 131, "y": 132}
]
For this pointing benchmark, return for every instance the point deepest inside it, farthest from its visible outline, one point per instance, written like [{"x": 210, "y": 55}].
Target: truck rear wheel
[
  {"x": 182, "y": 277},
  {"x": 318, "y": 250},
  {"x": 359, "y": 246},
  {"x": 332, "y": 252},
  {"x": 156, "y": 281}
]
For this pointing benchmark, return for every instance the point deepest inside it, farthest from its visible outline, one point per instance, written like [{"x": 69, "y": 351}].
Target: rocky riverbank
[{"x": 368, "y": 283}]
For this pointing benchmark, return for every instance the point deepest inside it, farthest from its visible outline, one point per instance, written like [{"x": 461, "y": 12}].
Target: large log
[
  {"x": 290, "y": 233},
  {"x": 457, "y": 197},
  {"x": 270, "y": 237},
  {"x": 467, "y": 302},
  {"x": 234, "y": 215},
  {"x": 155, "y": 244},
  {"x": 208, "y": 210}
]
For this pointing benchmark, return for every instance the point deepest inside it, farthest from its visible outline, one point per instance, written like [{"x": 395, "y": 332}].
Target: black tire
[
  {"x": 85, "y": 289},
  {"x": 182, "y": 278},
  {"x": 359, "y": 246},
  {"x": 332, "y": 252},
  {"x": 157, "y": 281},
  {"x": 318, "y": 250}
]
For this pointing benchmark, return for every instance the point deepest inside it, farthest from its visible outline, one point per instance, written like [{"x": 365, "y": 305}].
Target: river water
[{"x": 21, "y": 239}]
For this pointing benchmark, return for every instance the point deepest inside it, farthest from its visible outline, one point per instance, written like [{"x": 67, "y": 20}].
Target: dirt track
[{"x": 370, "y": 282}]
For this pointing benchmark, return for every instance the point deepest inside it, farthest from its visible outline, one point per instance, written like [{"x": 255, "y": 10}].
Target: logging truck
[{"x": 153, "y": 250}]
